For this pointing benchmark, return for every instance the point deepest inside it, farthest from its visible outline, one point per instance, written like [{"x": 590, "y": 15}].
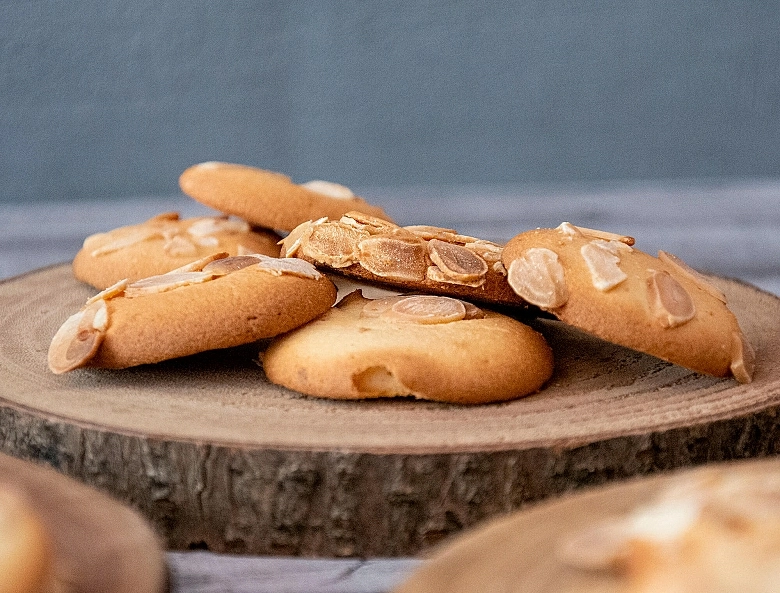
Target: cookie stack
[{"x": 448, "y": 318}]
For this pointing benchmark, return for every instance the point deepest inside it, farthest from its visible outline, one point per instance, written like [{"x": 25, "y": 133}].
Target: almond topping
[
  {"x": 227, "y": 265},
  {"x": 110, "y": 292},
  {"x": 79, "y": 338},
  {"x": 434, "y": 274},
  {"x": 366, "y": 222},
  {"x": 456, "y": 262},
  {"x": 596, "y": 234},
  {"x": 333, "y": 244},
  {"x": 292, "y": 242},
  {"x": 330, "y": 189},
  {"x": 680, "y": 266},
  {"x": 396, "y": 258},
  {"x": 427, "y": 309},
  {"x": 178, "y": 246},
  {"x": 204, "y": 227},
  {"x": 166, "y": 282},
  {"x": 137, "y": 235},
  {"x": 428, "y": 232},
  {"x": 668, "y": 300},
  {"x": 537, "y": 276},
  {"x": 291, "y": 266},
  {"x": 603, "y": 263},
  {"x": 743, "y": 358},
  {"x": 199, "y": 264},
  {"x": 377, "y": 307}
]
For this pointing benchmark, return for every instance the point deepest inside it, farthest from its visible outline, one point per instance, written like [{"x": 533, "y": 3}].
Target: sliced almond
[
  {"x": 669, "y": 302},
  {"x": 137, "y": 235},
  {"x": 291, "y": 266},
  {"x": 487, "y": 250},
  {"x": 292, "y": 242},
  {"x": 680, "y": 266},
  {"x": 178, "y": 246},
  {"x": 569, "y": 229},
  {"x": 376, "y": 307},
  {"x": 369, "y": 223},
  {"x": 605, "y": 235},
  {"x": 537, "y": 276},
  {"x": 392, "y": 257},
  {"x": 227, "y": 265},
  {"x": 166, "y": 282},
  {"x": 602, "y": 262},
  {"x": 457, "y": 262},
  {"x": 427, "y": 309},
  {"x": 201, "y": 263},
  {"x": 330, "y": 189},
  {"x": 435, "y": 274},
  {"x": 743, "y": 358},
  {"x": 110, "y": 292},
  {"x": 428, "y": 232},
  {"x": 204, "y": 227},
  {"x": 333, "y": 244},
  {"x": 78, "y": 339}
]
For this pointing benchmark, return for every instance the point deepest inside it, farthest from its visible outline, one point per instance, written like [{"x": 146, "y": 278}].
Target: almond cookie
[
  {"x": 601, "y": 284},
  {"x": 164, "y": 243},
  {"x": 269, "y": 199},
  {"x": 430, "y": 347},
  {"x": 426, "y": 259},
  {"x": 216, "y": 302}
]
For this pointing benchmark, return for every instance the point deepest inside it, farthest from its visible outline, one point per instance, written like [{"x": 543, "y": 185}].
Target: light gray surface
[{"x": 103, "y": 100}]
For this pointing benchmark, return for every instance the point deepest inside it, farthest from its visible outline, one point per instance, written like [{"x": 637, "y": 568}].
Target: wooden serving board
[
  {"x": 97, "y": 544},
  {"x": 218, "y": 458},
  {"x": 520, "y": 553}
]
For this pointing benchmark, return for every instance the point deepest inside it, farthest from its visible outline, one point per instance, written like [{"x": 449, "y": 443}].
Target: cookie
[
  {"x": 164, "y": 243},
  {"x": 425, "y": 259},
  {"x": 26, "y": 557},
  {"x": 601, "y": 284},
  {"x": 430, "y": 347},
  {"x": 269, "y": 199},
  {"x": 217, "y": 302}
]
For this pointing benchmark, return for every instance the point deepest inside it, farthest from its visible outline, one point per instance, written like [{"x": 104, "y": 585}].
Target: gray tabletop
[{"x": 727, "y": 228}]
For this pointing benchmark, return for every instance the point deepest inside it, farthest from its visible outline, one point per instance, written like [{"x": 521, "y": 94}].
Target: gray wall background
[{"x": 104, "y": 99}]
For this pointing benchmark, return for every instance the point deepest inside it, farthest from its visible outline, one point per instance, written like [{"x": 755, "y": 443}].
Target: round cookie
[
  {"x": 217, "y": 302},
  {"x": 269, "y": 199},
  {"x": 431, "y": 347},
  {"x": 426, "y": 259},
  {"x": 25, "y": 548},
  {"x": 601, "y": 284},
  {"x": 164, "y": 243}
]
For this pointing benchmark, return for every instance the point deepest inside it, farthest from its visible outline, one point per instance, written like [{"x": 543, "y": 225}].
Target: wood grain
[
  {"x": 520, "y": 552},
  {"x": 219, "y": 459},
  {"x": 98, "y": 544}
]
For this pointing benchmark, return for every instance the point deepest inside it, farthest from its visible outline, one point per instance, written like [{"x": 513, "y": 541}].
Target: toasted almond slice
[
  {"x": 369, "y": 223},
  {"x": 434, "y": 274},
  {"x": 199, "y": 264},
  {"x": 203, "y": 227},
  {"x": 333, "y": 244},
  {"x": 376, "y": 307},
  {"x": 290, "y": 265},
  {"x": 537, "y": 276},
  {"x": 179, "y": 246},
  {"x": 680, "y": 266},
  {"x": 487, "y": 250},
  {"x": 428, "y": 232},
  {"x": 394, "y": 257},
  {"x": 669, "y": 301},
  {"x": 571, "y": 230},
  {"x": 472, "y": 311},
  {"x": 498, "y": 268},
  {"x": 79, "y": 338},
  {"x": 456, "y": 262},
  {"x": 134, "y": 237},
  {"x": 743, "y": 358},
  {"x": 292, "y": 242},
  {"x": 330, "y": 189},
  {"x": 227, "y": 265},
  {"x": 166, "y": 282},
  {"x": 605, "y": 273},
  {"x": 110, "y": 292},
  {"x": 427, "y": 309}
]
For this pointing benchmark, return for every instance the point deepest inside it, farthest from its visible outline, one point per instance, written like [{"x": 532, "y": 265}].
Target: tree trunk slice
[
  {"x": 98, "y": 544},
  {"x": 519, "y": 553},
  {"x": 217, "y": 458}
]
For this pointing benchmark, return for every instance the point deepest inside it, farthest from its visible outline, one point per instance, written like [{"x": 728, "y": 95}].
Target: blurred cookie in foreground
[
  {"x": 420, "y": 258},
  {"x": 216, "y": 302},
  {"x": 269, "y": 199},
  {"x": 716, "y": 531},
  {"x": 600, "y": 283},
  {"x": 164, "y": 243},
  {"x": 430, "y": 347}
]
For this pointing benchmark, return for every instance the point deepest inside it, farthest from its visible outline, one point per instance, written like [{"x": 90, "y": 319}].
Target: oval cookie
[
  {"x": 164, "y": 243},
  {"x": 269, "y": 199},
  {"x": 217, "y": 302},
  {"x": 430, "y": 347},
  {"x": 603, "y": 285},
  {"x": 426, "y": 259}
]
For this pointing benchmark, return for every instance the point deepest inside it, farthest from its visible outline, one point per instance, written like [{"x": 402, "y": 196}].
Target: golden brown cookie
[
  {"x": 269, "y": 199},
  {"x": 26, "y": 556},
  {"x": 430, "y": 347},
  {"x": 164, "y": 243},
  {"x": 600, "y": 283},
  {"x": 426, "y": 259},
  {"x": 217, "y": 302}
]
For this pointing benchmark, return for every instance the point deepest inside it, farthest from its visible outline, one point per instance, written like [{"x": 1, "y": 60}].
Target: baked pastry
[
  {"x": 216, "y": 302},
  {"x": 430, "y": 347},
  {"x": 269, "y": 199},
  {"x": 164, "y": 243},
  {"x": 601, "y": 284},
  {"x": 26, "y": 556},
  {"x": 425, "y": 259},
  {"x": 716, "y": 531}
]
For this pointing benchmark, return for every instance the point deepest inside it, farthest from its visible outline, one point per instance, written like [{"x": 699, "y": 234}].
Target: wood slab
[
  {"x": 98, "y": 544},
  {"x": 519, "y": 553},
  {"x": 217, "y": 458}
]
